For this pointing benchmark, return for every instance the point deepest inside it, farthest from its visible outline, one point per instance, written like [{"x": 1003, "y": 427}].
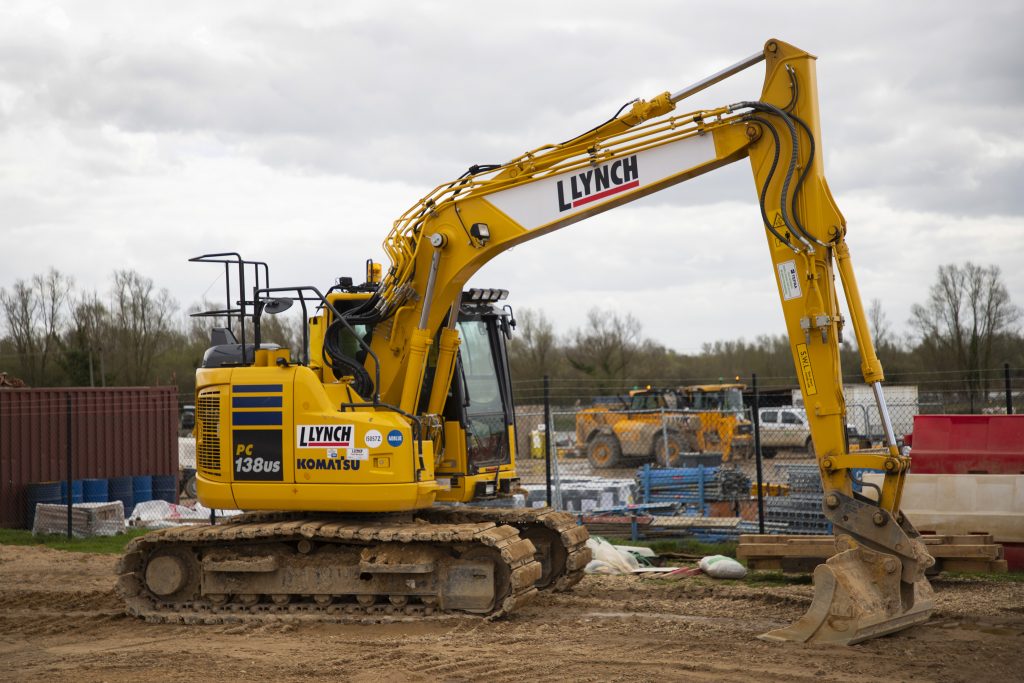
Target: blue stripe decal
[
  {"x": 256, "y": 401},
  {"x": 256, "y": 388},
  {"x": 249, "y": 419}
]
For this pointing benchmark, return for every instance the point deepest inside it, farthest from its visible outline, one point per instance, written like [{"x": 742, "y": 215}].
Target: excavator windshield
[{"x": 485, "y": 398}]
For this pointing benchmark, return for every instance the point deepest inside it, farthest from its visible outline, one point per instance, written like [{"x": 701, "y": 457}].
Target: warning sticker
[
  {"x": 805, "y": 369},
  {"x": 789, "y": 280},
  {"x": 780, "y": 227}
]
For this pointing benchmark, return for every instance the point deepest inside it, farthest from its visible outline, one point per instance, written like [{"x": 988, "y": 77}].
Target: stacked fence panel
[{"x": 800, "y": 511}]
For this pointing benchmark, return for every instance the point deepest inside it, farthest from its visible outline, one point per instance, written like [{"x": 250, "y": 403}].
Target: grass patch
[
  {"x": 107, "y": 545},
  {"x": 756, "y": 578}
]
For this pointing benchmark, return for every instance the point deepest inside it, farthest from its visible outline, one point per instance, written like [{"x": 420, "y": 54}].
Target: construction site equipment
[
  {"x": 393, "y": 404},
  {"x": 665, "y": 425},
  {"x": 650, "y": 427},
  {"x": 725, "y": 425}
]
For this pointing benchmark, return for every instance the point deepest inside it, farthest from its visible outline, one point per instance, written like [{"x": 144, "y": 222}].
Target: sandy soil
[{"x": 60, "y": 620}]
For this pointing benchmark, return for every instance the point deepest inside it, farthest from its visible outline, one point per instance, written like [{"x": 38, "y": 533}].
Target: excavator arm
[{"x": 876, "y": 584}]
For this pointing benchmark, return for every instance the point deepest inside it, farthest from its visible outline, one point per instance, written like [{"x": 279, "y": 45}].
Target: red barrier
[{"x": 968, "y": 444}]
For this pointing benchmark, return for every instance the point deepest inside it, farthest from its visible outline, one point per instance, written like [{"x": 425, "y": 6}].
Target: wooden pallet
[{"x": 971, "y": 553}]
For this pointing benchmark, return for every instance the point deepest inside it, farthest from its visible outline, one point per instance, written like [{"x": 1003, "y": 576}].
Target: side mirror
[{"x": 275, "y": 306}]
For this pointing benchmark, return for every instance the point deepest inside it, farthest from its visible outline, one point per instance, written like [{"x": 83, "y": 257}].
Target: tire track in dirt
[{"x": 31, "y": 613}]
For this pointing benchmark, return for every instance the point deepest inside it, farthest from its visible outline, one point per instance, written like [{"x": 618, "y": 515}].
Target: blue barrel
[
  {"x": 121, "y": 489},
  {"x": 142, "y": 488},
  {"x": 44, "y": 492},
  {"x": 165, "y": 487},
  {"x": 95, "y": 490},
  {"x": 77, "y": 494}
]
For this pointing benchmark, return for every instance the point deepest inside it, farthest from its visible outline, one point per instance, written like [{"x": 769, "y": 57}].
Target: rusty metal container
[{"x": 114, "y": 432}]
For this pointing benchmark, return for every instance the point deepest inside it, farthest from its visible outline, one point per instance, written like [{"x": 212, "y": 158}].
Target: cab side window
[{"x": 770, "y": 416}]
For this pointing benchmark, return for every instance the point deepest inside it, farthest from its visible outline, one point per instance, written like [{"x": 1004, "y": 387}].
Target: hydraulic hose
[
  {"x": 771, "y": 173},
  {"x": 336, "y": 358},
  {"x": 775, "y": 111}
]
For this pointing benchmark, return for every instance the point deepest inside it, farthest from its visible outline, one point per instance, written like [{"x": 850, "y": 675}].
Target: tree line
[
  {"x": 137, "y": 335},
  {"x": 134, "y": 335},
  {"x": 960, "y": 337}
]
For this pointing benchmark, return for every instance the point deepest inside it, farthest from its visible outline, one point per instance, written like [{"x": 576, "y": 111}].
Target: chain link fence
[
  {"x": 604, "y": 458},
  {"x": 608, "y": 460},
  {"x": 94, "y": 461},
  {"x": 107, "y": 506}
]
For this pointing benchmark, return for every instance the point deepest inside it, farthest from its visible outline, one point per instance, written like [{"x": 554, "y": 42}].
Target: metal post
[
  {"x": 547, "y": 437},
  {"x": 700, "y": 488},
  {"x": 71, "y": 495},
  {"x": 1009, "y": 393},
  {"x": 647, "y": 482},
  {"x": 664, "y": 441},
  {"x": 757, "y": 455},
  {"x": 556, "y": 468}
]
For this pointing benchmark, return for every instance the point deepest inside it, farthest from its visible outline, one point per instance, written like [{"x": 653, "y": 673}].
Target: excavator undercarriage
[{"x": 348, "y": 568}]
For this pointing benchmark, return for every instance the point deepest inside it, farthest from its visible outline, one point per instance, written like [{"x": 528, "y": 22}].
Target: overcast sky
[{"x": 139, "y": 134}]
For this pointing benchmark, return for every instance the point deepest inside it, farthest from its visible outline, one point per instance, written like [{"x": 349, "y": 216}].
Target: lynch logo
[
  {"x": 324, "y": 436},
  {"x": 598, "y": 183}
]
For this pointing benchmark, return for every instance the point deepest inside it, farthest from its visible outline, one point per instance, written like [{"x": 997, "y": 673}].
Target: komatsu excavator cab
[{"x": 480, "y": 399}]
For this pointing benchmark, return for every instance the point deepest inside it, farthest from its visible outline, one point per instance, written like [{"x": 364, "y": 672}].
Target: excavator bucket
[{"x": 859, "y": 594}]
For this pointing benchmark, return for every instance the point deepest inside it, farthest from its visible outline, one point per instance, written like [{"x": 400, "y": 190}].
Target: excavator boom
[{"x": 441, "y": 241}]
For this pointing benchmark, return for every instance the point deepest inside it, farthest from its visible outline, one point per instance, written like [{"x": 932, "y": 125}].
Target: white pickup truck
[{"x": 785, "y": 429}]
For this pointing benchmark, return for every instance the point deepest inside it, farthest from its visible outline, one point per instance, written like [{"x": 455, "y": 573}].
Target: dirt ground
[{"x": 60, "y": 620}]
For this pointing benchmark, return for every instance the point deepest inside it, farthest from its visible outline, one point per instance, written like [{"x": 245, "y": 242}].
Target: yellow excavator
[{"x": 355, "y": 457}]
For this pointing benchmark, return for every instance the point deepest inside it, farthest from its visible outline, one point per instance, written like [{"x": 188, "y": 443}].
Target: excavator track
[
  {"x": 561, "y": 542},
  {"x": 261, "y": 567}
]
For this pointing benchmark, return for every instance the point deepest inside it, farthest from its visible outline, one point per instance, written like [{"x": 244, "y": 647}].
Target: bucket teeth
[{"x": 858, "y": 594}]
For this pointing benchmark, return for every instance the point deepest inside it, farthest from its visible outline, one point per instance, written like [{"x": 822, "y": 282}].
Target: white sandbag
[
  {"x": 722, "y": 567},
  {"x": 610, "y": 560},
  {"x": 599, "y": 567}
]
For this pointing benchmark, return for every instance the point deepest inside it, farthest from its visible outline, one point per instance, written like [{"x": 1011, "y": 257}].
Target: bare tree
[
  {"x": 35, "y": 315},
  {"x": 20, "y": 313},
  {"x": 534, "y": 346},
  {"x": 967, "y": 312},
  {"x": 86, "y": 340},
  {"x": 878, "y": 323},
  {"x": 606, "y": 346},
  {"x": 143, "y": 326}
]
